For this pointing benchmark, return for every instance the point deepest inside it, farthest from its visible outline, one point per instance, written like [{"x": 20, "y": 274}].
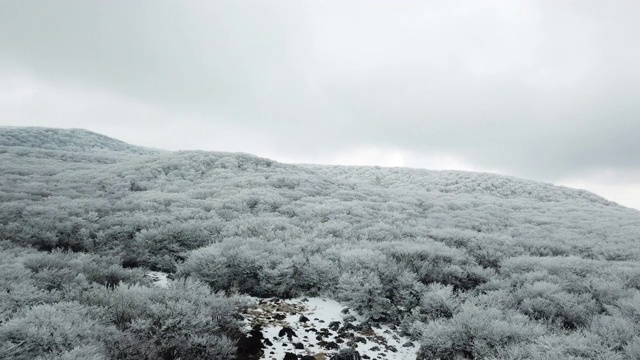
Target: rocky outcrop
[
  {"x": 318, "y": 329},
  {"x": 250, "y": 346},
  {"x": 347, "y": 354}
]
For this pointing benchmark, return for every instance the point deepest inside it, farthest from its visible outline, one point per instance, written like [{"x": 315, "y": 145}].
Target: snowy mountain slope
[
  {"x": 78, "y": 140},
  {"x": 488, "y": 264}
]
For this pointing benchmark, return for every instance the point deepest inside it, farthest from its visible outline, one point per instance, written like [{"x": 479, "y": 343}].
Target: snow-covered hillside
[{"x": 468, "y": 265}]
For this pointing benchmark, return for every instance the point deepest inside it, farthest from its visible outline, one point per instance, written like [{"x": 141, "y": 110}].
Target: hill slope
[
  {"x": 78, "y": 140},
  {"x": 530, "y": 268}
]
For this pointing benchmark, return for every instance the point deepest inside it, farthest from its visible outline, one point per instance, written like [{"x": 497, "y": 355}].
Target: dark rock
[
  {"x": 303, "y": 319},
  {"x": 307, "y": 357},
  {"x": 298, "y": 346},
  {"x": 360, "y": 339},
  {"x": 381, "y": 340},
  {"x": 330, "y": 345},
  {"x": 334, "y": 325},
  {"x": 349, "y": 318},
  {"x": 268, "y": 342},
  {"x": 363, "y": 327},
  {"x": 256, "y": 332},
  {"x": 249, "y": 347},
  {"x": 321, "y": 321},
  {"x": 408, "y": 344},
  {"x": 365, "y": 356},
  {"x": 392, "y": 348},
  {"x": 279, "y": 317},
  {"x": 347, "y": 335},
  {"x": 347, "y": 327},
  {"x": 345, "y": 310},
  {"x": 347, "y": 354},
  {"x": 288, "y": 332},
  {"x": 290, "y": 356},
  {"x": 375, "y": 348},
  {"x": 339, "y": 340}
]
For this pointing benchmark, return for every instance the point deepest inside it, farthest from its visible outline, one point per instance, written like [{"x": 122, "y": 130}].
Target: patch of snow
[
  {"x": 159, "y": 278},
  {"x": 315, "y": 335}
]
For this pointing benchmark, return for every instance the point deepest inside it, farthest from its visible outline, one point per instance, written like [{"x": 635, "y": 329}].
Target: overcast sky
[{"x": 546, "y": 90}]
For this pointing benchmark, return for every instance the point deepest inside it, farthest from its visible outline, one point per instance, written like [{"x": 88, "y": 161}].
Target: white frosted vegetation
[{"x": 466, "y": 264}]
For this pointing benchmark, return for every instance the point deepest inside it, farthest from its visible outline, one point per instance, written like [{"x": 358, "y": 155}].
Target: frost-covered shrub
[
  {"x": 54, "y": 329},
  {"x": 614, "y": 332},
  {"x": 577, "y": 345},
  {"x": 260, "y": 269},
  {"x": 571, "y": 310},
  {"x": 364, "y": 293},
  {"x": 85, "y": 352},
  {"x": 110, "y": 275},
  {"x": 632, "y": 349},
  {"x": 184, "y": 321},
  {"x": 18, "y": 295},
  {"x": 56, "y": 270},
  {"x": 225, "y": 267},
  {"x": 628, "y": 307},
  {"x": 436, "y": 302},
  {"x": 434, "y": 262},
  {"x": 17, "y": 287},
  {"x": 318, "y": 273},
  {"x": 607, "y": 290},
  {"x": 476, "y": 332},
  {"x": 51, "y": 271},
  {"x": 439, "y": 301},
  {"x": 406, "y": 291},
  {"x": 565, "y": 290}
]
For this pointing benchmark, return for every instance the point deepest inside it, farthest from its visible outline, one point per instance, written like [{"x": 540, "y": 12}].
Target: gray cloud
[{"x": 540, "y": 89}]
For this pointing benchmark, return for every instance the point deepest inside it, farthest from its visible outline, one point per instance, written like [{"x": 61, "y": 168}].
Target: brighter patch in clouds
[
  {"x": 26, "y": 100},
  {"x": 626, "y": 194}
]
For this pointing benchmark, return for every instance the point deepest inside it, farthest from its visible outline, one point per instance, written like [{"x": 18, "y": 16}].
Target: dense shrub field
[{"x": 469, "y": 265}]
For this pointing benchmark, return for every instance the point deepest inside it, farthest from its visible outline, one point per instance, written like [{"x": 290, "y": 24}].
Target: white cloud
[
  {"x": 28, "y": 101},
  {"x": 608, "y": 184},
  {"x": 536, "y": 89}
]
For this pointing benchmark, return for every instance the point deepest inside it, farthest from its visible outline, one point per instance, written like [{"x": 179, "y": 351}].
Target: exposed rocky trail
[
  {"x": 316, "y": 328},
  {"x": 312, "y": 329}
]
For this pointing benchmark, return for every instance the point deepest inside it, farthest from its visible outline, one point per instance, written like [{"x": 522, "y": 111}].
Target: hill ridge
[
  {"x": 82, "y": 145},
  {"x": 72, "y": 139}
]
